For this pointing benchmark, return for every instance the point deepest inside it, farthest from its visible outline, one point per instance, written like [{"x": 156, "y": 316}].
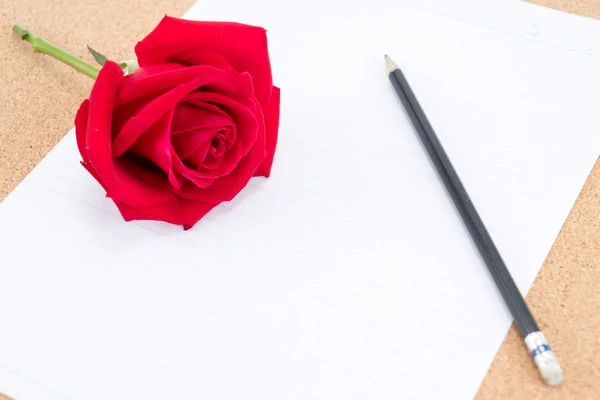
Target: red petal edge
[{"x": 272, "y": 130}]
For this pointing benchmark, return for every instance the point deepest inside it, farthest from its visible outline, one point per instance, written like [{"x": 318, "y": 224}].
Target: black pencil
[{"x": 534, "y": 339}]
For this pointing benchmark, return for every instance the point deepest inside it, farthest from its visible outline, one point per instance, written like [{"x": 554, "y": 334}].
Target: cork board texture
[{"x": 32, "y": 122}]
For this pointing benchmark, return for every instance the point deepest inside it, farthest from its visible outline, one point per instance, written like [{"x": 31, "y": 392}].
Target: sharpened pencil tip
[{"x": 391, "y": 65}]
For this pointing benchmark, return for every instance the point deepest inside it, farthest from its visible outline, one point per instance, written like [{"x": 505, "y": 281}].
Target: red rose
[{"x": 189, "y": 128}]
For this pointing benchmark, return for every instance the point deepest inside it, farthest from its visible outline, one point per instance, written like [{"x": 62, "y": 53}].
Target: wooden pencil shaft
[{"x": 504, "y": 281}]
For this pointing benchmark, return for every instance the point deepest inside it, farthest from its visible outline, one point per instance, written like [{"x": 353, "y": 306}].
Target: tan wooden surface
[{"x": 39, "y": 98}]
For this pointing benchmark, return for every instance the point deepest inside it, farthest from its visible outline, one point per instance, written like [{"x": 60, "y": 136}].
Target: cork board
[{"x": 39, "y": 98}]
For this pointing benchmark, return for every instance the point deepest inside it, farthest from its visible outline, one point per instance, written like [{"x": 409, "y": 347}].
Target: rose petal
[
  {"x": 119, "y": 182},
  {"x": 272, "y": 128},
  {"x": 137, "y": 124},
  {"x": 175, "y": 177},
  {"x": 178, "y": 212},
  {"x": 121, "y": 115},
  {"x": 199, "y": 181},
  {"x": 243, "y": 46},
  {"x": 206, "y": 106},
  {"x": 145, "y": 170},
  {"x": 230, "y": 137},
  {"x": 137, "y": 186},
  {"x": 239, "y": 147},
  {"x": 155, "y": 79},
  {"x": 98, "y": 130},
  {"x": 244, "y": 118},
  {"x": 81, "y": 119},
  {"x": 231, "y": 84},
  {"x": 191, "y": 117},
  {"x": 227, "y": 163},
  {"x": 197, "y": 157},
  {"x": 94, "y": 174},
  {"x": 187, "y": 143},
  {"x": 194, "y": 57},
  {"x": 228, "y": 186},
  {"x": 155, "y": 145},
  {"x": 212, "y": 162}
]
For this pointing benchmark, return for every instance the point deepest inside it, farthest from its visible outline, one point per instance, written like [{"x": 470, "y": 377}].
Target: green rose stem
[{"x": 41, "y": 45}]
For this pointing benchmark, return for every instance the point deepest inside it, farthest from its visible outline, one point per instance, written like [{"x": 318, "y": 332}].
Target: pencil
[{"x": 534, "y": 339}]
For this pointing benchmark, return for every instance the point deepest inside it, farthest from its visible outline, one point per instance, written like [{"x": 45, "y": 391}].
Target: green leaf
[
  {"x": 100, "y": 59},
  {"x": 131, "y": 65}
]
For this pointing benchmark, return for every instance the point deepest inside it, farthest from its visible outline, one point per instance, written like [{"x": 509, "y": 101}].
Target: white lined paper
[{"x": 345, "y": 275}]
